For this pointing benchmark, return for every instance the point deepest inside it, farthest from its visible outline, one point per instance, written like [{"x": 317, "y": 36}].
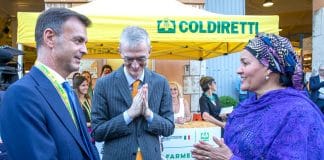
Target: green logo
[
  {"x": 204, "y": 136},
  {"x": 219, "y": 27},
  {"x": 166, "y": 26},
  {"x": 178, "y": 156}
]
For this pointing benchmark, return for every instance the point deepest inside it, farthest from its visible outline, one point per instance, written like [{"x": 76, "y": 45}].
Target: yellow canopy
[{"x": 177, "y": 31}]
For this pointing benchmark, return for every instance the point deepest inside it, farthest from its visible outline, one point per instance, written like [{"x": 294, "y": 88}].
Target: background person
[
  {"x": 280, "y": 121},
  {"x": 81, "y": 85},
  {"x": 209, "y": 102},
  {"x": 45, "y": 123},
  {"x": 316, "y": 86},
  {"x": 76, "y": 74},
  {"x": 105, "y": 70},
  {"x": 181, "y": 107},
  {"x": 8, "y": 75},
  {"x": 130, "y": 122},
  {"x": 88, "y": 76}
]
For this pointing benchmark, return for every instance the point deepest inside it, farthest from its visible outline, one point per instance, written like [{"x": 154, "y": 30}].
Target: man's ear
[
  {"x": 150, "y": 50},
  {"x": 49, "y": 37},
  {"x": 119, "y": 50}
]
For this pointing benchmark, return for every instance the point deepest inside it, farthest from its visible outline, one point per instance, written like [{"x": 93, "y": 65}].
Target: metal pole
[
  {"x": 153, "y": 65},
  {"x": 20, "y": 60}
]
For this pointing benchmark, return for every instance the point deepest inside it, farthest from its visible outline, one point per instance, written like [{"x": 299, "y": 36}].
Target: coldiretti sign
[
  {"x": 207, "y": 26},
  {"x": 166, "y": 32}
]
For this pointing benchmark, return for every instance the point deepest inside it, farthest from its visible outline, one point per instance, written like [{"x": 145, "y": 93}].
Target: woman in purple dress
[{"x": 280, "y": 121}]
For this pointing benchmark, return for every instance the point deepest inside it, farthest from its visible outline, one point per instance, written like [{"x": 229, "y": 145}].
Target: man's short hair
[
  {"x": 133, "y": 36},
  {"x": 54, "y": 18}
]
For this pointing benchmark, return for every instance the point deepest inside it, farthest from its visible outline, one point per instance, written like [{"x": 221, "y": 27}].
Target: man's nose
[
  {"x": 135, "y": 64},
  {"x": 84, "y": 49}
]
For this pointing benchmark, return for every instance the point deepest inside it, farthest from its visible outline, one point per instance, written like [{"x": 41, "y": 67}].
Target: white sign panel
[{"x": 180, "y": 144}]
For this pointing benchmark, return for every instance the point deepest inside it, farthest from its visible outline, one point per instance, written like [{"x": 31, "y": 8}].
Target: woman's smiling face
[{"x": 252, "y": 72}]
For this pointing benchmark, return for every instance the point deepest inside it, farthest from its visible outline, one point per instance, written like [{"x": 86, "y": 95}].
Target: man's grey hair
[
  {"x": 133, "y": 36},
  {"x": 54, "y": 18}
]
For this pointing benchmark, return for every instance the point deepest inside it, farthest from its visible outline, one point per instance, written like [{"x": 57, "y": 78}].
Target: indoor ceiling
[
  {"x": 11, "y": 7},
  {"x": 8, "y": 14},
  {"x": 295, "y": 17}
]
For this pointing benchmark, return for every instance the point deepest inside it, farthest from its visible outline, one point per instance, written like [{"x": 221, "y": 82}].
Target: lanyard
[
  {"x": 86, "y": 106},
  {"x": 58, "y": 87}
]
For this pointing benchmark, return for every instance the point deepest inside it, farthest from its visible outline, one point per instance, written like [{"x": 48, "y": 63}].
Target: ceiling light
[{"x": 267, "y": 3}]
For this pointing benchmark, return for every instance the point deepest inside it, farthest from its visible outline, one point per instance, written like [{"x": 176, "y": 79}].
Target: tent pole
[
  {"x": 153, "y": 65},
  {"x": 20, "y": 61}
]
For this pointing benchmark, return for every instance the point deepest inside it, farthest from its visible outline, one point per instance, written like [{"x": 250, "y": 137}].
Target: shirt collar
[
  {"x": 56, "y": 76},
  {"x": 130, "y": 79}
]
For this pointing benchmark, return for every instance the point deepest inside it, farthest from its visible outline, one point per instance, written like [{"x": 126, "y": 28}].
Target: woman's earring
[{"x": 266, "y": 77}]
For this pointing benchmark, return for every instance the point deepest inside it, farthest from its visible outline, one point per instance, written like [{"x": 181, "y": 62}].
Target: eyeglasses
[
  {"x": 141, "y": 59},
  {"x": 174, "y": 89}
]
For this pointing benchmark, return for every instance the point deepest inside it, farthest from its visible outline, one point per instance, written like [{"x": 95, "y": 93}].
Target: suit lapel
[
  {"x": 148, "y": 80},
  {"x": 122, "y": 85},
  {"x": 56, "y": 104}
]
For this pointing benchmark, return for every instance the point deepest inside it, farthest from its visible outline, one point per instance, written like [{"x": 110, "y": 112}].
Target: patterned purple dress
[{"x": 282, "y": 124}]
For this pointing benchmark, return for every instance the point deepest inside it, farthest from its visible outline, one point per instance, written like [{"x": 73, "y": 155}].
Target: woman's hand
[
  {"x": 223, "y": 116},
  {"x": 203, "y": 150}
]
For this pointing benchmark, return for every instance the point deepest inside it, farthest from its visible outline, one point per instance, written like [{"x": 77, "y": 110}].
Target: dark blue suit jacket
[
  {"x": 314, "y": 86},
  {"x": 35, "y": 123}
]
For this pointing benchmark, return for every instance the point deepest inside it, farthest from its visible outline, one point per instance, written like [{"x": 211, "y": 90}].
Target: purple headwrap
[{"x": 277, "y": 53}]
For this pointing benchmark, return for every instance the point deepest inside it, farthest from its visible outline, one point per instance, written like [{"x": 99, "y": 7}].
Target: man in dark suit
[
  {"x": 316, "y": 86},
  {"x": 39, "y": 119},
  {"x": 130, "y": 127}
]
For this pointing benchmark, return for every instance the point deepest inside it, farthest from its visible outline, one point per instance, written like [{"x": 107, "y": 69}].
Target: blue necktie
[{"x": 82, "y": 128}]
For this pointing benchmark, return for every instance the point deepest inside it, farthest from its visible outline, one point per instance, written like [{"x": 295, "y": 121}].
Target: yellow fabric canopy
[{"x": 177, "y": 31}]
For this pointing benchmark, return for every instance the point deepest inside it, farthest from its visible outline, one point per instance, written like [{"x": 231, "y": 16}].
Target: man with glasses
[
  {"x": 132, "y": 106},
  {"x": 316, "y": 86}
]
